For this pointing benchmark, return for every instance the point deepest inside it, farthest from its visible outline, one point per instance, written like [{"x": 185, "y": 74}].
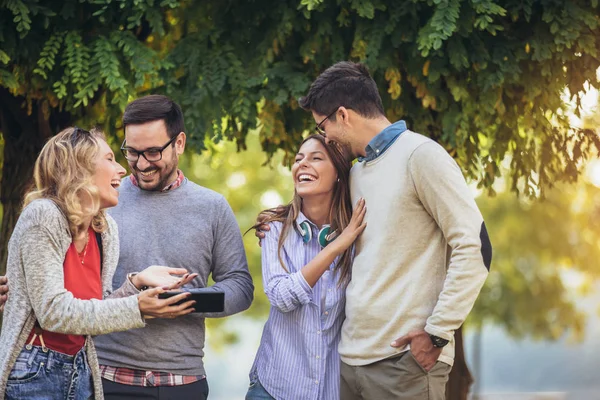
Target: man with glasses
[
  {"x": 423, "y": 257},
  {"x": 165, "y": 219}
]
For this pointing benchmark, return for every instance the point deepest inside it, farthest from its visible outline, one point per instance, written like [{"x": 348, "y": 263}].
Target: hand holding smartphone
[{"x": 207, "y": 299}]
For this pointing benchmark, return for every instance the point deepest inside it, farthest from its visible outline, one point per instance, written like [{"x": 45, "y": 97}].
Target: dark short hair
[
  {"x": 153, "y": 108},
  {"x": 345, "y": 84}
]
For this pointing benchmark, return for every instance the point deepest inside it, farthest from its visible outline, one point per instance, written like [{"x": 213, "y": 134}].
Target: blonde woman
[{"x": 61, "y": 259}]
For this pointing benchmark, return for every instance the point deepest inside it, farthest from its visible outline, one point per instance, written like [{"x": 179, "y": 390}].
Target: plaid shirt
[
  {"x": 173, "y": 185},
  {"x": 138, "y": 377}
]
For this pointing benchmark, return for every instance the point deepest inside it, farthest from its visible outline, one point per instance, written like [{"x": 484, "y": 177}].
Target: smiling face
[
  {"x": 154, "y": 175},
  {"x": 107, "y": 176},
  {"x": 313, "y": 171}
]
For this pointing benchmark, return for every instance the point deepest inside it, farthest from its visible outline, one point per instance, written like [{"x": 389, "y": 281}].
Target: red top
[{"x": 84, "y": 282}]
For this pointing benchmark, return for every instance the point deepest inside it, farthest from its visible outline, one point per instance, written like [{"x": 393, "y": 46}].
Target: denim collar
[{"x": 384, "y": 139}]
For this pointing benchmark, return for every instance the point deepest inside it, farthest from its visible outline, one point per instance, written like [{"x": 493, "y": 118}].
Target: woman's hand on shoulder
[
  {"x": 356, "y": 226},
  {"x": 261, "y": 226}
]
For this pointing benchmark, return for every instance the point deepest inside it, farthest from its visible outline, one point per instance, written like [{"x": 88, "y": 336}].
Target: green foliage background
[{"x": 483, "y": 77}]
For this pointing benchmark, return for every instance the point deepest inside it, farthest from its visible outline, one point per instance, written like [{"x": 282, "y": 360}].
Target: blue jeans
[
  {"x": 47, "y": 374},
  {"x": 256, "y": 391}
]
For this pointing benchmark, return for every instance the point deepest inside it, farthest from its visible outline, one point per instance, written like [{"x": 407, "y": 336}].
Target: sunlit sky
[
  {"x": 594, "y": 173},
  {"x": 590, "y": 107}
]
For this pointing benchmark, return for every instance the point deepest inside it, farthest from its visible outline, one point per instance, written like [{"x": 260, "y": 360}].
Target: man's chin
[{"x": 150, "y": 186}]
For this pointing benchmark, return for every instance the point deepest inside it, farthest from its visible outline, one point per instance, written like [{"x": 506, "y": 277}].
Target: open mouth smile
[
  {"x": 306, "y": 178},
  {"x": 148, "y": 174}
]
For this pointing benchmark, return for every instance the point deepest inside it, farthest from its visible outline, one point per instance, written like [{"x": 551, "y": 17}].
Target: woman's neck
[
  {"x": 317, "y": 210},
  {"x": 82, "y": 237}
]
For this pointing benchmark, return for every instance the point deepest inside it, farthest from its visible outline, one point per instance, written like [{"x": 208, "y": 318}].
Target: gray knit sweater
[
  {"x": 36, "y": 253},
  {"x": 189, "y": 227}
]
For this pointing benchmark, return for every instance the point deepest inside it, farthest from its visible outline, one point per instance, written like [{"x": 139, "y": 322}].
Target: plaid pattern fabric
[
  {"x": 173, "y": 185},
  {"x": 136, "y": 377}
]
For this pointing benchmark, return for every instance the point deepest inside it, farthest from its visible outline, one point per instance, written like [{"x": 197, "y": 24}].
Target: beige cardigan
[{"x": 36, "y": 253}]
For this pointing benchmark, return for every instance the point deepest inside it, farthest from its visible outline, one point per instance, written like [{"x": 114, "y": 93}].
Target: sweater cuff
[
  {"x": 137, "y": 313},
  {"x": 126, "y": 289},
  {"x": 432, "y": 330}
]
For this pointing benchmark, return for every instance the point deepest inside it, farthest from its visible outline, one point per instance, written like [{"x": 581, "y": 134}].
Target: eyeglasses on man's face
[
  {"x": 319, "y": 127},
  {"x": 152, "y": 154}
]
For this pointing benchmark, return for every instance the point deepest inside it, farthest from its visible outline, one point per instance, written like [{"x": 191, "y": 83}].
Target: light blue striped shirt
[{"x": 298, "y": 356}]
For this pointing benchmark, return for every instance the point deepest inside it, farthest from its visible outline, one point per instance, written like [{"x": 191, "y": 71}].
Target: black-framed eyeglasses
[
  {"x": 152, "y": 154},
  {"x": 319, "y": 128}
]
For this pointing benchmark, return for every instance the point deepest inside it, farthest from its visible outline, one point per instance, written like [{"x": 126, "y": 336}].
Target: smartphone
[{"x": 207, "y": 299}]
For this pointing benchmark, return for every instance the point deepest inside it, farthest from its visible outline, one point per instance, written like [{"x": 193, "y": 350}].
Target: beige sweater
[
  {"x": 423, "y": 257},
  {"x": 36, "y": 253}
]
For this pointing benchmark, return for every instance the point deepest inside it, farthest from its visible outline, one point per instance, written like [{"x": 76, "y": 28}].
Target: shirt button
[
  {"x": 318, "y": 357},
  {"x": 317, "y": 382},
  {"x": 318, "y": 332},
  {"x": 377, "y": 151},
  {"x": 326, "y": 312}
]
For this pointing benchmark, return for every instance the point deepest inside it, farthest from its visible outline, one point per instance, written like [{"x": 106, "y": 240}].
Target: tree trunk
[
  {"x": 460, "y": 378},
  {"x": 25, "y": 130}
]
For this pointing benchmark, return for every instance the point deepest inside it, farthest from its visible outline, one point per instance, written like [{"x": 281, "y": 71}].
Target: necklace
[{"x": 84, "y": 252}]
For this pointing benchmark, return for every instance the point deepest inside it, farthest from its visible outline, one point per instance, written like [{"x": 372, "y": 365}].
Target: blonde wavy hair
[{"x": 63, "y": 173}]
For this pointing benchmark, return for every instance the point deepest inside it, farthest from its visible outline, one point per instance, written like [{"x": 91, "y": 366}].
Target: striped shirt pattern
[{"x": 298, "y": 355}]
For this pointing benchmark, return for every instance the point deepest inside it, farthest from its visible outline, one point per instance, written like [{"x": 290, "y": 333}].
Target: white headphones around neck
[{"x": 324, "y": 236}]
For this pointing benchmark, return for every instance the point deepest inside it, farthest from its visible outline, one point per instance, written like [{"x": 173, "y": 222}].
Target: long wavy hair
[
  {"x": 340, "y": 212},
  {"x": 63, "y": 173}
]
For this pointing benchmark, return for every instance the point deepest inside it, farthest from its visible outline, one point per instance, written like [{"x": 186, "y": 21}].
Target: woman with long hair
[
  {"x": 61, "y": 259},
  {"x": 306, "y": 259}
]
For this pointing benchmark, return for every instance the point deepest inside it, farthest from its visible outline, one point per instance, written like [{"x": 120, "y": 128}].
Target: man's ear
[
  {"x": 180, "y": 143},
  {"x": 343, "y": 114}
]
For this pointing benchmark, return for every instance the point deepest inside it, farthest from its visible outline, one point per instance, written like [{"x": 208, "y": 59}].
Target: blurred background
[{"x": 509, "y": 88}]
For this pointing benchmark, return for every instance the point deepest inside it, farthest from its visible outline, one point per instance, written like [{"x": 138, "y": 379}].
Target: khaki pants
[{"x": 394, "y": 378}]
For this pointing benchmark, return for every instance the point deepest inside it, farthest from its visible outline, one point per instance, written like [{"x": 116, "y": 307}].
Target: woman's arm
[
  {"x": 286, "y": 291},
  {"x": 313, "y": 271},
  {"x": 55, "y": 308}
]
